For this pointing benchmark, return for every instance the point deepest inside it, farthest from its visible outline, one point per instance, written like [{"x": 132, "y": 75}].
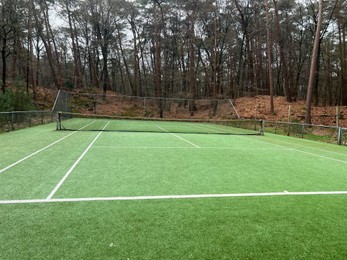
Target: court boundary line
[
  {"x": 179, "y": 137},
  {"x": 56, "y": 188},
  {"x": 172, "y": 197},
  {"x": 301, "y": 151},
  {"x": 40, "y": 150},
  {"x": 304, "y": 146}
]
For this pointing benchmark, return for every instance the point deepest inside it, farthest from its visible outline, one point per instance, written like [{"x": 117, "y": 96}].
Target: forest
[{"x": 177, "y": 48}]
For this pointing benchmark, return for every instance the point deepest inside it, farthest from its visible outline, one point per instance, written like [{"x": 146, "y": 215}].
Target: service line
[{"x": 177, "y": 136}]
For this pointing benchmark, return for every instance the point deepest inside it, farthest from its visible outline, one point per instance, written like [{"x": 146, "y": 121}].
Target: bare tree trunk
[
  {"x": 313, "y": 69},
  {"x": 77, "y": 73},
  {"x": 192, "y": 76},
  {"x": 343, "y": 60},
  {"x": 47, "y": 43},
  {"x": 4, "y": 64},
  {"x": 286, "y": 87},
  {"x": 157, "y": 58},
  {"x": 269, "y": 55},
  {"x": 30, "y": 71},
  {"x": 125, "y": 62},
  {"x": 137, "y": 89}
]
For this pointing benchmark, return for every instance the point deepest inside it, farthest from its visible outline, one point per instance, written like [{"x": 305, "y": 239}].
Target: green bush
[
  {"x": 6, "y": 101},
  {"x": 18, "y": 100}
]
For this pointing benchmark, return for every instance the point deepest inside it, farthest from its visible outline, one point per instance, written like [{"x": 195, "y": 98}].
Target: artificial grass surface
[
  {"x": 142, "y": 164},
  {"x": 129, "y": 164},
  {"x": 237, "y": 228},
  {"x": 141, "y": 172}
]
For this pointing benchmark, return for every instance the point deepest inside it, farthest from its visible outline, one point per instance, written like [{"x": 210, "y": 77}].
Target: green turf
[
  {"x": 242, "y": 228},
  {"x": 143, "y": 164}
]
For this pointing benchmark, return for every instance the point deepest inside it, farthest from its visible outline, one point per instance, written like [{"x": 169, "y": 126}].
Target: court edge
[{"x": 167, "y": 197}]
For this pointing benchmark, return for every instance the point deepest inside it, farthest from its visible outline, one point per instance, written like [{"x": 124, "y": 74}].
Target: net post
[{"x": 59, "y": 120}]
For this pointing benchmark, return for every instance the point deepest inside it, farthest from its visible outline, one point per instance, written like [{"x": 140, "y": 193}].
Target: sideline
[
  {"x": 42, "y": 149},
  {"x": 301, "y": 151}
]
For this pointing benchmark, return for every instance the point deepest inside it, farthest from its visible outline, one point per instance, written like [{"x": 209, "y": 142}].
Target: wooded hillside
[{"x": 176, "y": 48}]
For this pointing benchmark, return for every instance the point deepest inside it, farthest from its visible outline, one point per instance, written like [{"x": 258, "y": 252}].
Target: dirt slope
[{"x": 259, "y": 107}]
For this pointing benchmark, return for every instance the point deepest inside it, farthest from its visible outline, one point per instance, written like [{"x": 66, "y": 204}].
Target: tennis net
[{"x": 86, "y": 122}]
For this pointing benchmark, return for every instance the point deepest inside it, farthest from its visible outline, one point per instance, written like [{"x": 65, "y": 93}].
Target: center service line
[{"x": 74, "y": 165}]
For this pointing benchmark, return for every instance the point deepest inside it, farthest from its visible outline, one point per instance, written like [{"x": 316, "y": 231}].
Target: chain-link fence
[
  {"x": 135, "y": 106},
  {"x": 10, "y": 121},
  {"x": 329, "y": 134},
  {"x": 63, "y": 102},
  {"x": 132, "y": 106}
]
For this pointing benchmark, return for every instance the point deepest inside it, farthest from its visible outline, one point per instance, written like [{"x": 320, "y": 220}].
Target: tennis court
[{"x": 122, "y": 190}]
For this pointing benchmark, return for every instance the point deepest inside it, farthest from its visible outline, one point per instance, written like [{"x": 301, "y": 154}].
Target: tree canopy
[{"x": 176, "y": 48}]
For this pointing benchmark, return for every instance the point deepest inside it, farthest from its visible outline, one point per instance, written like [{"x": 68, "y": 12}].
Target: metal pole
[
  {"x": 339, "y": 135},
  {"x": 12, "y": 120}
]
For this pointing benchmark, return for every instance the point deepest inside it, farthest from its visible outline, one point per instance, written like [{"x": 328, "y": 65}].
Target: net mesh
[
  {"x": 63, "y": 102},
  {"x": 83, "y": 122}
]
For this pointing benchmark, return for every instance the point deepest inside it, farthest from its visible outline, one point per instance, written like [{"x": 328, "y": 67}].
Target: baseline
[{"x": 168, "y": 197}]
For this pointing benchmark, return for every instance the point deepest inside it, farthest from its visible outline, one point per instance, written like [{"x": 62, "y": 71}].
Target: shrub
[{"x": 18, "y": 100}]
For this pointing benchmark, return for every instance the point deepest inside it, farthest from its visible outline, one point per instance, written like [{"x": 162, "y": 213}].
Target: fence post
[
  {"x": 144, "y": 106},
  {"x": 262, "y": 127},
  {"x": 29, "y": 119},
  {"x": 12, "y": 120},
  {"x": 289, "y": 118},
  {"x": 339, "y": 135}
]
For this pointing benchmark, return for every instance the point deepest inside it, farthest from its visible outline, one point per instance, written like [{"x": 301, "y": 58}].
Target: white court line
[
  {"x": 180, "y": 147},
  {"x": 301, "y": 151},
  {"x": 196, "y": 146},
  {"x": 74, "y": 165},
  {"x": 308, "y": 147},
  {"x": 167, "y": 197},
  {"x": 42, "y": 149}
]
